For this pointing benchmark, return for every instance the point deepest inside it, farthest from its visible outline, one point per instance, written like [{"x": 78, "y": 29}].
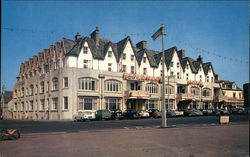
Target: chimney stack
[
  {"x": 95, "y": 35},
  {"x": 142, "y": 45},
  {"x": 199, "y": 59},
  {"x": 77, "y": 36},
  {"x": 182, "y": 52}
]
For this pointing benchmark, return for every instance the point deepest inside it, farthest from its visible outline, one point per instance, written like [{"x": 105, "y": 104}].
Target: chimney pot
[
  {"x": 77, "y": 36},
  {"x": 95, "y": 35}
]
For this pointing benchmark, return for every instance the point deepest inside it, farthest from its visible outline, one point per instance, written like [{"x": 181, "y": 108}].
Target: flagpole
[{"x": 163, "y": 106}]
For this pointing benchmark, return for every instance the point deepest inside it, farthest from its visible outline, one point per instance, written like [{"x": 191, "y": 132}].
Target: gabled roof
[
  {"x": 186, "y": 60},
  {"x": 206, "y": 67},
  {"x": 67, "y": 45}
]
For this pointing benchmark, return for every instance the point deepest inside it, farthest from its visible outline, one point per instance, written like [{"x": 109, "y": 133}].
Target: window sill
[
  {"x": 41, "y": 111},
  {"x": 54, "y": 90},
  {"x": 66, "y": 110},
  {"x": 65, "y": 88},
  {"x": 54, "y": 111}
]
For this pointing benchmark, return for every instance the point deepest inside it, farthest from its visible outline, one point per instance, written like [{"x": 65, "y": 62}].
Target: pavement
[{"x": 229, "y": 140}]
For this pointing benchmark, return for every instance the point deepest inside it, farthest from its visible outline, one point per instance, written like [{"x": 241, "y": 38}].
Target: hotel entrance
[{"x": 136, "y": 104}]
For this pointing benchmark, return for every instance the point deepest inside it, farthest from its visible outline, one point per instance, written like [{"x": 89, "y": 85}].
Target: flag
[{"x": 157, "y": 33}]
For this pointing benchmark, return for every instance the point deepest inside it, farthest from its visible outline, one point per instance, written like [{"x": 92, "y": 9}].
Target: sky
[{"x": 216, "y": 30}]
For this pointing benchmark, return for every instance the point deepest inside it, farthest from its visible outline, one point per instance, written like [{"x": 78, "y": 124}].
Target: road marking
[
  {"x": 126, "y": 128},
  {"x": 139, "y": 127},
  {"x": 213, "y": 124}
]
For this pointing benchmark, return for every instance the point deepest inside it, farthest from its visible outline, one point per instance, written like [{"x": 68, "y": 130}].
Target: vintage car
[
  {"x": 83, "y": 115},
  {"x": 103, "y": 115},
  {"x": 9, "y": 134},
  {"x": 144, "y": 114},
  {"x": 154, "y": 113}
]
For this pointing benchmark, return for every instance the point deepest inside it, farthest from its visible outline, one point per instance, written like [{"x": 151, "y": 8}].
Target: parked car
[
  {"x": 103, "y": 114},
  {"x": 131, "y": 114},
  {"x": 85, "y": 115},
  {"x": 144, "y": 114},
  {"x": 116, "y": 114},
  {"x": 224, "y": 112},
  {"x": 217, "y": 112},
  {"x": 9, "y": 134},
  {"x": 207, "y": 112},
  {"x": 155, "y": 113},
  {"x": 171, "y": 113},
  {"x": 179, "y": 113},
  {"x": 195, "y": 112}
]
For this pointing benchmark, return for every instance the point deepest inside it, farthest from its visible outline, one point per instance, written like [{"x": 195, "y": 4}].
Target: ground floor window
[
  {"x": 54, "y": 103},
  {"x": 87, "y": 103},
  {"x": 151, "y": 104},
  {"x": 169, "y": 104},
  {"x": 31, "y": 106},
  {"x": 112, "y": 103},
  {"x": 42, "y": 106}
]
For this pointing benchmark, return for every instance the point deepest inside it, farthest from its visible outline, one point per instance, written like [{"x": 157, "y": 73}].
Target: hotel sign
[{"x": 127, "y": 76}]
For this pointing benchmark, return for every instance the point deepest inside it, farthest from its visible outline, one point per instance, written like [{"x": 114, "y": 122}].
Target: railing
[{"x": 137, "y": 93}]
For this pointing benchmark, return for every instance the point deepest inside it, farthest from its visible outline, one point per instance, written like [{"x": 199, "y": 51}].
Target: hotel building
[{"x": 93, "y": 73}]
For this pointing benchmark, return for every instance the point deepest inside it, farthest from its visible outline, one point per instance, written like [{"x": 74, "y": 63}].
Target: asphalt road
[{"x": 70, "y": 126}]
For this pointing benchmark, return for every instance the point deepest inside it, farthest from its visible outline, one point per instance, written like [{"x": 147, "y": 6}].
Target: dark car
[
  {"x": 154, "y": 113},
  {"x": 131, "y": 114},
  {"x": 116, "y": 114},
  {"x": 171, "y": 113},
  {"x": 103, "y": 114},
  {"x": 9, "y": 134}
]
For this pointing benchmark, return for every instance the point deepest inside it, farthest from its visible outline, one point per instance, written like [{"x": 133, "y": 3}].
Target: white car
[
  {"x": 85, "y": 115},
  {"x": 144, "y": 114}
]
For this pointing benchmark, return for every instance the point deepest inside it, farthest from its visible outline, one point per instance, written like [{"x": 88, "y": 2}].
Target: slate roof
[
  {"x": 229, "y": 85},
  {"x": 99, "y": 51}
]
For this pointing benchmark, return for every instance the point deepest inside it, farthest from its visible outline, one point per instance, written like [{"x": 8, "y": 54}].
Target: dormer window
[
  {"x": 85, "y": 50},
  {"x": 144, "y": 59},
  {"x": 109, "y": 53},
  {"x": 200, "y": 68}
]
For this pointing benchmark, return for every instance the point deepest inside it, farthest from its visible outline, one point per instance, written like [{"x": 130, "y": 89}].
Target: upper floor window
[
  {"x": 144, "y": 59},
  {"x": 144, "y": 71},
  {"x": 151, "y": 88},
  {"x": 31, "y": 90},
  {"x": 132, "y": 57},
  {"x": 124, "y": 56},
  {"x": 109, "y": 66},
  {"x": 55, "y": 83},
  {"x": 86, "y": 63},
  {"x": 124, "y": 68},
  {"x": 206, "y": 92},
  {"x": 65, "y": 82},
  {"x": 22, "y": 93},
  {"x": 200, "y": 68},
  {"x": 187, "y": 67},
  {"x": 88, "y": 84},
  {"x": 178, "y": 65},
  {"x": 112, "y": 85},
  {"x": 212, "y": 79},
  {"x": 186, "y": 76},
  {"x": 132, "y": 69},
  {"x": 109, "y": 53},
  {"x": 171, "y": 73},
  {"x": 234, "y": 94},
  {"x": 169, "y": 89},
  {"x": 207, "y": 78},
  {"x": 172, "y": 64},
  {"x": 85, "y": 50},
  {"x": 161, "y": 73},
  {"x": 42, "y": 87},
  {"x": 178, "y": 75},
  {"x": 195, "y": 91}
]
